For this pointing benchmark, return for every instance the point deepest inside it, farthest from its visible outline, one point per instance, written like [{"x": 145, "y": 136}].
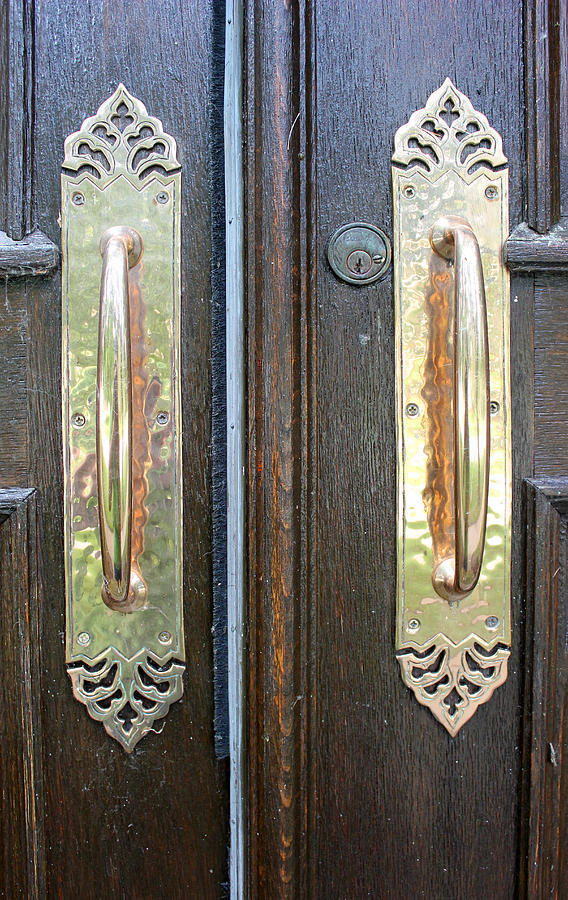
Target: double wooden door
[{"x": 348, "y": 787}]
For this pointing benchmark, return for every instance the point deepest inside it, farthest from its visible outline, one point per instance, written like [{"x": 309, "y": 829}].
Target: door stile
[{"x": 279, "y": 285}]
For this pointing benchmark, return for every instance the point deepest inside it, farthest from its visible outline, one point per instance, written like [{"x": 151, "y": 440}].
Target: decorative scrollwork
[
  {"x": 121, "y": 139},
  {"x": 453, "y": 681},
  {"x": 127, "y": 695},
  {"x": 448, "y": 133}
]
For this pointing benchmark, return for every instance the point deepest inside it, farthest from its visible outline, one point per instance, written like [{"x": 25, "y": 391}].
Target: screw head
[
  {"x": 78, "y": 198},
  {"x": 162, "y": 197},
  {"x": 409, "y": 191},
  {"x": 413, "y": 625},
  {"x": 412, "y": 410},
  {"x": 162, "y": 418},
  {"x": 84, "y": 638},
  {"x": 164, "y": 637},
  {"x": 494, "y": 407},
  {"x": 491, "y": 192},
  {"x": 78, "y": 420},
  {"x": 492, "y": 622}
]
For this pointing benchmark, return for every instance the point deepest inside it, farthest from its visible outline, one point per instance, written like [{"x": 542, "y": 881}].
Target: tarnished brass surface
[
  {"x": 452, "y": 649},
  {"x": 121, "y": 171}
]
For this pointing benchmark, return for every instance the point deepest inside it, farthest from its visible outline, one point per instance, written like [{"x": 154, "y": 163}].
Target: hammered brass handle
[
  {"x": 121, "y": 248},
  {"x": 455, "y": 577}
]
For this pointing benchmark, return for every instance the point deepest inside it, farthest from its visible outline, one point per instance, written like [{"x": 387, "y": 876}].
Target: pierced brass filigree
[
  {"x": 454, "y": 473},
  {"x": 122, "y": 417}
]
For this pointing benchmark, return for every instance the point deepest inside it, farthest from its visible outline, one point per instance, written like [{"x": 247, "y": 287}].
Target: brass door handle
[
  {"x": 121, "y": 248},
  {"x": 122, "y": 417},
  {"x": 453, "y": 578}
]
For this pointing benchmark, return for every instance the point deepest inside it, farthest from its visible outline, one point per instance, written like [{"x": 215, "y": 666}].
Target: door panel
[{"x": 154, "y": 823}]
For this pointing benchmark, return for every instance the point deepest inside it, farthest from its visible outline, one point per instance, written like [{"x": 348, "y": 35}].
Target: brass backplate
[
  {"x": 121, "y": 169},
  {"x": 448, "y": 161}
]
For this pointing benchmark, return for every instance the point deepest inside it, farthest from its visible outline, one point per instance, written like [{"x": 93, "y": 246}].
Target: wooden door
[
  {"x": 80, "y": 817},
  {"x": 355, "y": 789}
]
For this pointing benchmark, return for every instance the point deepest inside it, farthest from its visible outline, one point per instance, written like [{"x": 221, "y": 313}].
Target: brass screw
[
  {"x": 78, "y": 198},
  {"x": 84, "y": 638},
  {"x": 78, "y": 420},
  {"x": 492, "y": 621},
  {"x": 412, "y": 410},
  {"x": 413, "y": 625},
  {"x": 491, "y": 192},
  {"x": 494, "y": 407},
  {"x": 162, "y": 197},
  {"x": 162, "y": 418},
  {"x": 164, "y": 637},
  {"x": 409, "y": 191}
]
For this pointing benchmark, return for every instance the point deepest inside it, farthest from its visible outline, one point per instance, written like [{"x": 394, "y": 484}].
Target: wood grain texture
[
  {"x": 544, "y": 871},
  {"x": 276, "y": 197},
  {"x": 155, "y": 823},
  {"x": 17, "y": 117},
  {"x": 442, "y": 820},
  {"x": 35, "y": 254},
  {"x": 544, "y": 111},
  {"x": 528, "y": 251},
  {"x": 374, "y": 796},
  {"x": 14, "y": 382},
  {"x": 22, "y": 845},
  {"x": 551, "y": 365}
]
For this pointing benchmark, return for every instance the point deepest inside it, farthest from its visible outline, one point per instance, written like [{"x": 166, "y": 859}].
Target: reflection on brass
[
  {"x": 121, "y": 249},
  {"x": 455, "y": 577},
  {"x": 121, "y": 417},
  {"x": 450, "y": 193}
]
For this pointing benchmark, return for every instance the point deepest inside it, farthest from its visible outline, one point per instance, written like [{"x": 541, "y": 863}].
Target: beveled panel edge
[
  {"x": 35, "y": 254},
  {"x": 528, "y": 251}
]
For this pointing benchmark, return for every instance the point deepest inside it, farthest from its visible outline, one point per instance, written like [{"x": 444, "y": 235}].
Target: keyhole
[{"x": 359, "y": 262}]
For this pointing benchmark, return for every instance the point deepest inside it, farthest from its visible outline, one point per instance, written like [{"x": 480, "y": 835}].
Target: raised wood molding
[
  {"x": 544, "y": 856},
  {"x": 18, "y": 116},
  {"x": 541, "y": 243},
  {"x": 35, "y": 254},
  {"x": 22, "y": 872},
  {"x": 22, "y": 251},
  {"x": 279, "y": 288},
  {"x": 528, "y": 251},
  {"x": 543, "y": 111}
]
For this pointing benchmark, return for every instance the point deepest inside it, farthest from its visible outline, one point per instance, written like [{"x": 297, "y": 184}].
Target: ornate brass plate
[
  {"x": 121, "y": 395},
  {"x": 453, "y": 651}
]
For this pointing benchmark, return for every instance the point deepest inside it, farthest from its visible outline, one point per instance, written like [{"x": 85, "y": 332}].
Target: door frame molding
[{"x": 235, "y": 430}]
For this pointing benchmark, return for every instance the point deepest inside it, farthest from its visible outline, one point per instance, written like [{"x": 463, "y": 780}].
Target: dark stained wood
[
  {"x": 545, "y": 114},
  {"x": 399, "y": 801},
  {"x": 276, "y": 197},
  {"x": 527, "y": 251},
  {"x": 22, "y": 846},
  {"x": 35, "y": 254},
  {"x": 544, "y": 871},
  {"x": 153, "y": 824},
  {"x": 16, "y": 117},
  {"x": 551, "y": 366},
  {"x": 14, "y": 382},
  {"x": 358, "y": 791}
]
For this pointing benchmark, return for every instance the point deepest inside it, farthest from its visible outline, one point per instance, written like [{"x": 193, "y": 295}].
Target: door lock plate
[
  {"x": 121, "y": 373},
  {"x": 448, "y": 162}
]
